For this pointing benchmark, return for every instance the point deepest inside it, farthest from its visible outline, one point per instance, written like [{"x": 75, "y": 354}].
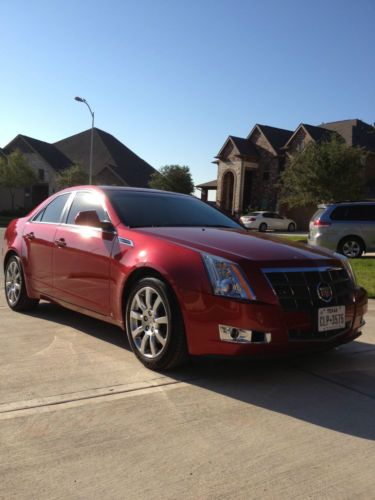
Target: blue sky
[{"x": 172, "y": 79}]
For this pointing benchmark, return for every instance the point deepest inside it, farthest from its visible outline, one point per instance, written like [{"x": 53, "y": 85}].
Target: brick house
[
  {"x": 113, "y": 164},
  {"x": 248, "y": 168}
]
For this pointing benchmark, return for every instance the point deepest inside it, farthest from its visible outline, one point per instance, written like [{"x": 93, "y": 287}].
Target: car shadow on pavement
[
  {"x": 333, "y": 390},
  {"x": 91, "y": 326}
]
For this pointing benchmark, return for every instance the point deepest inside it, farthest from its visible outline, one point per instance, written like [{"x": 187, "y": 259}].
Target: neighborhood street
[{"x": 80, "y": 417}]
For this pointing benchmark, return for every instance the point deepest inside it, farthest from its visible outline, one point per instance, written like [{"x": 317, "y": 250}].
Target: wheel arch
[
  {"x": 137, "y": 275},
  {"x": 354, "y": 237},
  {"x": 10, "y": 253}
]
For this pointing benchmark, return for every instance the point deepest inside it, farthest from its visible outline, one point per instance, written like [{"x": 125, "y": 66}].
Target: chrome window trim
[
  {"x": 66, "y": 210},
  {"x": 32, "y": 219}
]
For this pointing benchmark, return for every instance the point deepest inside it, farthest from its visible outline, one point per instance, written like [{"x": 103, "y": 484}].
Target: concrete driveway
[{"x": 81, "y": 418}]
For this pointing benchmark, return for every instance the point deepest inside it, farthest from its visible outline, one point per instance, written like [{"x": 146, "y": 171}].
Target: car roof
[
  {"x": 107, "y": 189},
  {"x": 347, "y": 202}
]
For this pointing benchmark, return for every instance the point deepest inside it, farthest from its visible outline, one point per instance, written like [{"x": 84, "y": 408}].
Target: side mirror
[{"x": 88, "y": 218}]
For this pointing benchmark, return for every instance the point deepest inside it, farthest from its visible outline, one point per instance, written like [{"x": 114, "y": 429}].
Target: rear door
[
  {"x": 82, "y": 257},
  {"x": 38, "y": 237},
  {"x": 367, "y": 222},
  {"x": 279, "y": 222}
]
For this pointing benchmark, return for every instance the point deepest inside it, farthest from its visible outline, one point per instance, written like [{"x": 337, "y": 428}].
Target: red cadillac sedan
[{"x": 179, "y": 276}]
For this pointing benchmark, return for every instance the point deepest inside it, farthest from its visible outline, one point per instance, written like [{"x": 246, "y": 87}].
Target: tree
[
  {"x": 321, "y": 173},
  {"x": 16, "y": 173},
  {"x": 74, "y": 175},
  {"x": 173, "y": 178}
]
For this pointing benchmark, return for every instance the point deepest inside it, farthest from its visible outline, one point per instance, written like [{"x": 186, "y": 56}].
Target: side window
[
  {"x": 268, "y": 215},
  {"x": 359, "y": 212},
  {"x": 340, "y": 213},
  {"x": 84, "y": 201},
  {"x": 38, "y": 217},
  {"x": 53, "y": 211}
]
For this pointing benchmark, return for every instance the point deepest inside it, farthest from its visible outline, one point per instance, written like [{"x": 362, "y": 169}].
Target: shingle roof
[
  {"x": 277, "y": 137},
  {"x": 108, "y": 151},
  {"x": 317, "y": 133},
  {"x": 51, "y": 155},
  {"x": 245, "y": 147},
  {"x": 209, "y": 185}
]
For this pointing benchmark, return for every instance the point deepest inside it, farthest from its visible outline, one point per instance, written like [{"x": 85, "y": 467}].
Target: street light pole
[{"x": 80, "y": 99}]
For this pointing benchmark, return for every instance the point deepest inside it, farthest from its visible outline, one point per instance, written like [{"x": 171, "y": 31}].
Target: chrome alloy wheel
[
  {"x": 351, "y": 248},
  {"x": 149, "y": 322},
  {"x": 13, "y": 283}
]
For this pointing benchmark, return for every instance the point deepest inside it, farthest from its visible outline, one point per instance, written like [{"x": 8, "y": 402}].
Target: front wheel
[
  {"x": 15, "y": 288},
  {"x": 263, "y": 227},
  {"x": 154, "y": 325}
]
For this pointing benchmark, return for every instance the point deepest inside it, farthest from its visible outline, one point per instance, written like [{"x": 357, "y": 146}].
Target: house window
[{"x": 41, "y": 174}]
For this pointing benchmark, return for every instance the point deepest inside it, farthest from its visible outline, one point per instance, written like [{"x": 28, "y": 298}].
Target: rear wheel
[
  {"x": 263, "y": 227},
  {"x": 291, "y": 227},
  {"x": 15, "y": 288},
  {"x": 351, "y": 247},
  {"x": 154, "y": 325}
]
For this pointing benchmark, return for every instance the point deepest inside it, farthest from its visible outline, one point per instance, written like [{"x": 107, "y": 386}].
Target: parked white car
[{"x": 263, "y": 220}]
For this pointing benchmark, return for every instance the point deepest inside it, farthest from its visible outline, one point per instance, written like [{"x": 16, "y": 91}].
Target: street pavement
[{"x": 81, "y": 418}]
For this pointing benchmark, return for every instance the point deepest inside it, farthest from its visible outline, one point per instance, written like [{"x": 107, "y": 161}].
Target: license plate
[{"x": 331, "y": 318}]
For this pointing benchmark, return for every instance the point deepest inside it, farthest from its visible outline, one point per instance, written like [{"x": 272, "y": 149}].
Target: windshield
[{"x": 150, "y": 209}]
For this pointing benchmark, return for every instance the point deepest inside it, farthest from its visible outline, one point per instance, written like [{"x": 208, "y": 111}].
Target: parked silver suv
[{"x": 346, "y": 227}]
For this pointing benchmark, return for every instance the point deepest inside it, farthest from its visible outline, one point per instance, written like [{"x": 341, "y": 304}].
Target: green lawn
[{"x": 364, "y": 268}]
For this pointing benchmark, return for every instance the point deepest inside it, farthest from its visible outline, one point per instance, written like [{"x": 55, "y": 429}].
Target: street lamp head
[{"x": 79, "y": 99}]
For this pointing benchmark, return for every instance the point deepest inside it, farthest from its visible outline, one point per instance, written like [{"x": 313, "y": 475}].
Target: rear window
[
  {"x": 318, "y": 213},
  {"x": 354, "y": 213}
]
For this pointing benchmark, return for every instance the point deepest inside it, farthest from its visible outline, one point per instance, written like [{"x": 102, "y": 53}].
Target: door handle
[
  {"x": 30, "y": 236},
  {"x": 60, "y": 243}
]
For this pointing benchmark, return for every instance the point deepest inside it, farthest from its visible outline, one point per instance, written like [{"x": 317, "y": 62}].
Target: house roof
[
  {"x": 244, "y": 147},
  {"x": 316, "y": 133},
  {"x": 208, "y": 185},
  {"x": 47, "y": 151},
  {"x": 108, "y": 151},
  {"x": 277, "y": 137}
]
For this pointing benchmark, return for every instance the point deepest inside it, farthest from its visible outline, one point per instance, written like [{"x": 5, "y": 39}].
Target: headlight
[
  {"x": 227, "y": 279},
  {"x": 347, "y": 266}
]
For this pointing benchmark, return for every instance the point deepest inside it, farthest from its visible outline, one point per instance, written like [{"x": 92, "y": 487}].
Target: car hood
[{"x": 238, "y": 244}]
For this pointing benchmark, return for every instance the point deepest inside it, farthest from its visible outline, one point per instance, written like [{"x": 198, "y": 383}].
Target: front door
[{"x": 82, "y": 257}]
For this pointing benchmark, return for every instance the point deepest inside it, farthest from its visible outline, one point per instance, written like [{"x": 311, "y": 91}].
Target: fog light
[{"x": 242, "y": 336}]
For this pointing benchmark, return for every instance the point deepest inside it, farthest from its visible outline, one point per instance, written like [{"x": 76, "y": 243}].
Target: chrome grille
[{"x": 296, "y": 288}]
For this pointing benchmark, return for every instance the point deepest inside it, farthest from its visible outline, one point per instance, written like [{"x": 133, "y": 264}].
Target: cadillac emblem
[{"x": 324, "y": 292}]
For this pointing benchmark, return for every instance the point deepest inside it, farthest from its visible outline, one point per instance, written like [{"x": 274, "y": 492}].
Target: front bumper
[{"x": 204, "y": 313}]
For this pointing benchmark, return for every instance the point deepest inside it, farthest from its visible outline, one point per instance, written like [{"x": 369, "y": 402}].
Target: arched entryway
[{"x": 227, "y": 192}]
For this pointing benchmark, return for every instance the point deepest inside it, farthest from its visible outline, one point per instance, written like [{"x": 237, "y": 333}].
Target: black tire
[
  {"x": 15, "y": 288},
  {"x": 263, "y": 227},
  {"x": 351, "y": 246},
  {"x": 291, "y": 227},
  {"x": 174, "y": 352}
]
